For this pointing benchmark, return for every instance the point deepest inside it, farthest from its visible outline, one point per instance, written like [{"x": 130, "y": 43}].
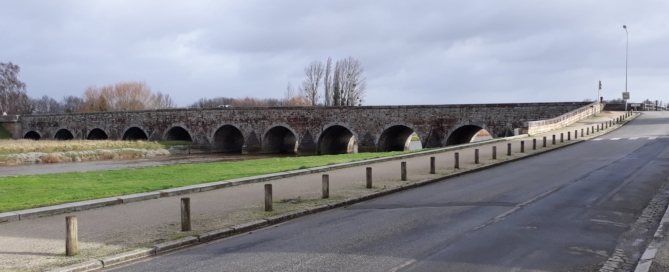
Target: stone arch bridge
[{"x": 301, "y": 130}]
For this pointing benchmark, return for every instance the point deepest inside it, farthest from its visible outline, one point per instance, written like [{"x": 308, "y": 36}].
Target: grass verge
[{"x": 23, "y": 192}]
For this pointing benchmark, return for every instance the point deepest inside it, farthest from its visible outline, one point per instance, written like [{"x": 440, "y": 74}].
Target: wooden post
[
  {"x": 476, "y": 156},
  {"x": 326, "y": 186},
  {"x": 582, "y": 135},
  {"x": 268, "y": 197},
  {"x": 575, "y": 134},
  {"x": 508, "y": 149},
  {"x": 534, "y": 144},
  {"x": 587, "y": 131},
  {"x": 432, "y": 165},
  {"x": 553, "y": 139},
  {"x": 369, "y": 177},
  {"x": 544, "y": 141},
  {"x": 494, "y": 152},
  {"x": 568, "y": 135},
  {"x": 185, "y": 214},
  {"x": 597, "y": 128},
  {"x": 456, "y": 165},
  {"x": 71, "y": 236},
  {"x": 522, "y": 146},
  {"x": 561, "y": 137},
  {"x": 404, "y": 170}
]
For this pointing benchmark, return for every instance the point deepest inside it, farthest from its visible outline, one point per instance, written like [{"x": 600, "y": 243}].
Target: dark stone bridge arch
[
  {"x": 97, "y": 134},
  {"x": 177, "y": 133},
  {"x": 63, "y": 134},
  {"x": 317, "y": 130}
]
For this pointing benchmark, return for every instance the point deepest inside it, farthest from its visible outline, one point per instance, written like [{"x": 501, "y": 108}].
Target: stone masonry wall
[
  {"x": 564, "y": 120},
  {"x": 433, "y": 123}
]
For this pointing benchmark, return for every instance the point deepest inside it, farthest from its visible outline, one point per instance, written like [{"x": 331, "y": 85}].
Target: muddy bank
[{"x": 78, "y": 156}]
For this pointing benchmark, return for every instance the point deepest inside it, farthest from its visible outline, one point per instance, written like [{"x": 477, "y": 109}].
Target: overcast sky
[{"x": 413, "y": 52}]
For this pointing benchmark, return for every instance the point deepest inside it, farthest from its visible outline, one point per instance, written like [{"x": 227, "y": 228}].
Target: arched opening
[
  {"x": 63, "y": 134},
  {"x": 228, "y": 139},
  {"x": 178, "y": 134},
  {"x": 280, "y": 140},
  {"x": 398, "y": 138},
  {"x": 135, "y": 134},
  {"x": 97, "y": 134},
  {"x": 482, "y": 135},
  {"x": 32, "y": 135},
  {"x": 337, "y": 140},
  {"x": 466, "y": 134}
]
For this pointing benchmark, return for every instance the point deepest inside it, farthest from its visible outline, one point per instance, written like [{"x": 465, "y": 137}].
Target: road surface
[{"x": 566, "y": 210}]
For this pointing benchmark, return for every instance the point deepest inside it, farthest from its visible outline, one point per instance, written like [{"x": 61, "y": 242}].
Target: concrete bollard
[
  {"x": 544, "y": 145},
  {"x": 494, "y": 152},
  {"x": 508, "y": 149},
  {"x": 369, "y": 177},
  {"x": 522, "y": 146},
  {"x": 597, "y": 128},
  {"x": 534, "y": 144},
  {"x": 185, "y": 214},
  {"x": 326, "y": 186},
  {"x": 568, "y": 135},
  {"x": 456, "y": 164},
  {"x": 476, "y": 156},
  {"x": 268, "y": 197},
  {"x": 553, "y": 139},
  {"x": 432, "y": 165},
  {"x": 587, "y": 131},
  {"x": 71, "y": 236},
  {"x": 576, "y": 134},
  {"x": 582, "y": 135},
  {"x": 403, "y": 165},
  {"x": 561, "y": 137}
]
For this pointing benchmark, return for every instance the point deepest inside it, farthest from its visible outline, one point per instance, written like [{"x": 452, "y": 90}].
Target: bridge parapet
[{"x": 535, "y": 127}]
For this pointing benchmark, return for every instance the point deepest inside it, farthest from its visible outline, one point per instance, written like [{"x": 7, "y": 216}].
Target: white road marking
[
  {"x": 598, "y": 139},
  {"x": 614, "y": 139},
  {"x": 634, "y": 138},
  {"x": 652, "y": 138}
]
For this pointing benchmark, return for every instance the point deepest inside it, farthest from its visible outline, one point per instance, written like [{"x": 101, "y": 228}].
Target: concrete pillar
[
  {"x": 403, "y": 165},
  {"x": 326, "y": 186},
  {"x": 71, "y": 236},
  {"x": 185, "y": 214}
]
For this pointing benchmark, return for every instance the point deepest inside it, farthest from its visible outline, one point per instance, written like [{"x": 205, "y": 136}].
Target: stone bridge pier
[{"x": 294, "y": 130}]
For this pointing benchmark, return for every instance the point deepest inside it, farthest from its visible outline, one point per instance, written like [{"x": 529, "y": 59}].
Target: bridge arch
[
  {"x": 337, "y": 139},
  {"x": 178, "y": 133},
  {"x": 63, "y": 134},
  {"x": 32, "y": 135},
  {"x": 228, "y": 139},
  {"x": 97, "y": 134},
  {"x": 280, "y": 139},
  {"x": 395, "y": 137},
  {"x": 135, "y": 134},
  {"x": 465, "y": 133}
]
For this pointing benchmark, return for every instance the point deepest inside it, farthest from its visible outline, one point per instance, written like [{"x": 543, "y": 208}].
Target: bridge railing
[
  {"x": 534, "y": 127},
  {"x": 9, "y": 118}
]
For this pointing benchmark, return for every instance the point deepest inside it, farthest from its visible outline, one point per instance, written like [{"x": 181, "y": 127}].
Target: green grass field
[{"x": 25, "y": 192}]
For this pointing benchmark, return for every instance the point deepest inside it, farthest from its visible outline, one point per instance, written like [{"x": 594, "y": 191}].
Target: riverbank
[{"x": 29, "y": 151}]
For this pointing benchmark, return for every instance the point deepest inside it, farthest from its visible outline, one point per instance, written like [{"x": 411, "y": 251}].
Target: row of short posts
[{"x": 71, "y": 240}]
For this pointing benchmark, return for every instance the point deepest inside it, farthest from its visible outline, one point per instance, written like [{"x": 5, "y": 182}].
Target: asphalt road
[{"x": 566, "y": 210}]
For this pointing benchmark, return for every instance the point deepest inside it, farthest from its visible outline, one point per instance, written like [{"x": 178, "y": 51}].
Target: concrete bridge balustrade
[{"x": 295, "y": 130}]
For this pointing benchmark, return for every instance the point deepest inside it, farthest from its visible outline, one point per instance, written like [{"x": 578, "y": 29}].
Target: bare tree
[
  {"x": 313, "y": 75},
  {"x": 327, "y": 81},
  {"x": 10, "y": 85},
  {"x": 163, "y": 101},
  {"x": 349, "y": 84},
  {"x": 46, "y": 104},
  {"x": 133, "y": 95},
  {"x": 289, "y": 93},
  {"x": 72, "y": 103}
]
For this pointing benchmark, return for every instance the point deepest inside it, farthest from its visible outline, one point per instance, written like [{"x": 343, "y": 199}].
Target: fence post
[
  {"x": 71, "y": 236},
  {"x": 508, "y": 149},
  {"x": 534, "y": 144},
  {"x": 476, "y": 156},
  {"x": 522, "y": 146},
  {"x": 544, "y": 141},
  {"x": 494, "y": 152},
  {"x": 432, "y": 165},
  {"x": 369, "y": 177},
  {"x": 568, "y": 135},
  {"x": 326, "y": 186},
  {"x": 553, "y": 139},
  {"x": 456, "y": 165},
  {"x": 561, "y": 137},
  {"x": 185, "y": 214},
  {"x": 404, "y": 170},
  {"x": 268, "y": 197}
]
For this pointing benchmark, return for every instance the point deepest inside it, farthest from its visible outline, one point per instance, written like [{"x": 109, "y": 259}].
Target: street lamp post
[{"x": 626, "y": 57}]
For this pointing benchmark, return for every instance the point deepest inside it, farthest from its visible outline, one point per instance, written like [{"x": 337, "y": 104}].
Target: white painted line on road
[
  {"x": 615, "y": 139},
  {"x": 634, "y": 138},
  {"x": 652, "y": 138},
  {"x": 598, "y": 139}
]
